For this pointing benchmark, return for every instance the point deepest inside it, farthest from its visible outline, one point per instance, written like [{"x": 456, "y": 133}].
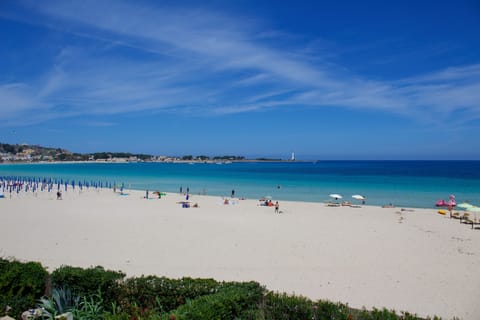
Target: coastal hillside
[
  {"x": 34, "y": 153},
  {"x": 31, "y": 153},
  {"x": 25, "y": 152}
]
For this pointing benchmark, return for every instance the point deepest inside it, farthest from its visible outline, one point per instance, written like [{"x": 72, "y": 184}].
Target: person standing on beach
[
  {"x": 277, "y": 207},
  {"x": 233, "y": 193},
  {"x": 181, "y": 189}
]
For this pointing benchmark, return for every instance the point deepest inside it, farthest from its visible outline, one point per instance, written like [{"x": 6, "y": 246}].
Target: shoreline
[
  {"x": 325, "y": 202},
  {"x": 255, "y": 195},
  {"x": 368, "y": 256},
  {"x": 221, "y": 161}
]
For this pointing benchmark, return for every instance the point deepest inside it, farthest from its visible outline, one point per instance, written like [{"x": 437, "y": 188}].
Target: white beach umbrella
[
  {"x": 474, "y": 210},
  {"x": 335, "y": 196},
  {"x": 358, "y": 197},
  {"x": 465, "y": 205}
]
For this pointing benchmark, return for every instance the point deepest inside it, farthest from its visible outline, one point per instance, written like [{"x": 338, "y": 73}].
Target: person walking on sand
[{"x": 277, "y": 207}]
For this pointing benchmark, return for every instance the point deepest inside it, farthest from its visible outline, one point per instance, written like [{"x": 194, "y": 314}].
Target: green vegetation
[
  {"x": 96, "y": 293},
  {"x": 23, "y": 152},
  {"x": 231, "y": 158},
  {"x": 87, "y": 282},
  {"x": 119, "y": 155},
  {"x": 232, "y": 301},
  {"x": 267, "y": 159},
  {"x": 21, "y": 284}
]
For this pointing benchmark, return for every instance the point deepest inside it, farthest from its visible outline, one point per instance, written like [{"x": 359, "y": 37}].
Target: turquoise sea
[{"x": 402, "y": 183}]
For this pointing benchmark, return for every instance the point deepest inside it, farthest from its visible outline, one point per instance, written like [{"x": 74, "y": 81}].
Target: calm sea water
[{"x": 403, "y": 183}]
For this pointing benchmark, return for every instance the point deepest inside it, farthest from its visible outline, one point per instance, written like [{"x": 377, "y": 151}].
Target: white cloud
[{"x": 204, "y": 61}]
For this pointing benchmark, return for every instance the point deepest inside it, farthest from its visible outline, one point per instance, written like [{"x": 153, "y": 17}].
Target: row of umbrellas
[
  {"x": 19, "y": 183},
  {"x": 355, "y": 196}
]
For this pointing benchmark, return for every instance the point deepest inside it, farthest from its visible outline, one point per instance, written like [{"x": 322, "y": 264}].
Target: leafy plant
[
  {"x": 64, "y": 300},
  {"x": 49, "y": 309},
  {"x": 332, "y": 311},
  {"x": 21, "y": 284},
  {"x": 285, "y": 307},
  {"x": 233, "y": 301},
  {"x": 87, "y": 282},
  {"x": 90, "y": 308},
  {"x": 162, "y": 294}
]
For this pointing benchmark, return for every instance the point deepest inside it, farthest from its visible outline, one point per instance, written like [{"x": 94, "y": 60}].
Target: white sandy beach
[{"x": 417, "y": 261}]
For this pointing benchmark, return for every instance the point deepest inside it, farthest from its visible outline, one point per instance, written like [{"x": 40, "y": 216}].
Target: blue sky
[{"x": 326, "y": 79}]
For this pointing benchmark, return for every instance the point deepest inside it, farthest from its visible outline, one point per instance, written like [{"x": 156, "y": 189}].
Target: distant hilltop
[{"x": 36, "y": 153}]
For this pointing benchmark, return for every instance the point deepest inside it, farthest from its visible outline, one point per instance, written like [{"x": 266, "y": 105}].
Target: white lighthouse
[{"x": 292, "y": 158}]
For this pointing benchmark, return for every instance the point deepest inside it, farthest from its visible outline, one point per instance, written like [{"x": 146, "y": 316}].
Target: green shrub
[
  {"x": 89, "y": 282},
  {"x": 385, "y": 314},
  {"x": 284, "y": 307},
  {"x": 163, "y": 294},
  {"x": 117, "y": 316},
  {"x": 21, "y": 284},
  {"x": 232, "y": 301},
  {"x": 332, "y": 311}
]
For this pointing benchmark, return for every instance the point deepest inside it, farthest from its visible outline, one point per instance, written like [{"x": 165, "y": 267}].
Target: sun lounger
[
  {"x": 469, "y": 220},
  {"x": 465, "y": 217},
  {"x": 455, "y": 215},
  {"x": 333, "y": 204}
]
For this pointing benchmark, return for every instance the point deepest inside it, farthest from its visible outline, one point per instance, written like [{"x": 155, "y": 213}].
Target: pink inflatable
[{"x": 443, "y": 203}]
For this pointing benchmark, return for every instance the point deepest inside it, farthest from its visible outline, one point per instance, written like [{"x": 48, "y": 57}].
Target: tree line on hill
[{"x": 24, "y": 152}]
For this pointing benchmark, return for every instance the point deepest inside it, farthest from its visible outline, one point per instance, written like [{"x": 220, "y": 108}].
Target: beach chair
[
  {"x": 475, "y": 221},
  {"x": 464, "y": 217},
  {"x": 469, "y": 220},
  {"x": 332, "y": 204},
  {"x": 455, "y": 215}
]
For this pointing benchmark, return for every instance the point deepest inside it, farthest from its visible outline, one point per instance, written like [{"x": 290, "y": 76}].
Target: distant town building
[{"x": 292, "y": 157}]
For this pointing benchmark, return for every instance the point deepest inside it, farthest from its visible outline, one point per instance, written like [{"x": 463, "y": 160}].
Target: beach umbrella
[
  {"x": 474, "y": 209},
  {"x": 335, "y": 196},
  {"x": 358, "y": 197},
  {"x": 465, "y": 205}
]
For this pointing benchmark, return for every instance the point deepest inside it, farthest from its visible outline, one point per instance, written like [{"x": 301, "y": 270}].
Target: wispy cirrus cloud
[{"x": 200, "y": 61}]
